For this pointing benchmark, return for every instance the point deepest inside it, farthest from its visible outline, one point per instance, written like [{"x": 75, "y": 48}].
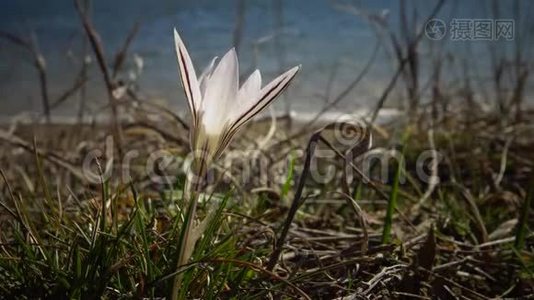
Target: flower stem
[{"x": 190, "y": 196}]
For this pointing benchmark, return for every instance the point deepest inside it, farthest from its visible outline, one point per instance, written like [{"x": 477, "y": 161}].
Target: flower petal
[
  {"x": 188, "y": 76},
  {"x": 203, "y": 79},
  {"x": 250, "y": 90},
  {"x": 221, "y": 91},
  {"x": 255, "y": 106},
  {"x": 266, "y": 96}
]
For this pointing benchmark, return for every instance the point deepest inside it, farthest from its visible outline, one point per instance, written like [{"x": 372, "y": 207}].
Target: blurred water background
[{"x": 332, "y": 44}]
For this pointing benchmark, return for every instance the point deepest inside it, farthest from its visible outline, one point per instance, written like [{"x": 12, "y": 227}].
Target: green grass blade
[{"x": 393, "y": 196}]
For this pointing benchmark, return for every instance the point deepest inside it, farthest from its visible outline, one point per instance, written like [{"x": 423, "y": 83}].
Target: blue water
[{"x": 329, "y": 43}]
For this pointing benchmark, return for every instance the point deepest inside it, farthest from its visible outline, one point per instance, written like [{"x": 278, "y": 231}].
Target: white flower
[{"x": 219, "y": 106}]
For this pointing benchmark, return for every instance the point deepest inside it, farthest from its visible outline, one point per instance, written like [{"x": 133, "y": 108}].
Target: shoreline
[{"x": 385, "y": 115}]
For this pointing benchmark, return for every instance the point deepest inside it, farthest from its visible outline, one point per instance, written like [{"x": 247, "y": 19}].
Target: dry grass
[{"x": 459, "y": 241}]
